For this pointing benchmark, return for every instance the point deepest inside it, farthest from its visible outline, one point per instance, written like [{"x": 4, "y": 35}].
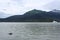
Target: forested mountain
[{"x": 34, "y": 16}]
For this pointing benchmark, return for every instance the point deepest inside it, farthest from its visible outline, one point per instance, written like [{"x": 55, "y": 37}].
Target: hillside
[{"x": 34, "y": 16}]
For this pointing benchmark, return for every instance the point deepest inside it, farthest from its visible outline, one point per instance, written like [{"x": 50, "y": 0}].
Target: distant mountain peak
[
  {"x": 55, "y": 10},
  {"x": 34, "y": 11}
]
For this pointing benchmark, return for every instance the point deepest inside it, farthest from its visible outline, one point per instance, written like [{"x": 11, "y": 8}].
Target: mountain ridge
[{"x": 34, "y": 16}]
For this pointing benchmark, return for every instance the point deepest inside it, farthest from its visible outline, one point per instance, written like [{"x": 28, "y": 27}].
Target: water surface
[{"x": 29, "y": 31}]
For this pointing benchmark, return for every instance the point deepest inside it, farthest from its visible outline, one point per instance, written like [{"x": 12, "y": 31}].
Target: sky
[
  {"x": 52, "y": 5},
  {"x": 14, "y": 7}
]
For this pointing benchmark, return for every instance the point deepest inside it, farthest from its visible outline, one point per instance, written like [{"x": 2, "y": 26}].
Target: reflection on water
[{"x": 29, "y": 31}]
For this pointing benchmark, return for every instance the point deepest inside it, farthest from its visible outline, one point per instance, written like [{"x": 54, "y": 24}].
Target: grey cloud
[{"x": 53, "y": 5}]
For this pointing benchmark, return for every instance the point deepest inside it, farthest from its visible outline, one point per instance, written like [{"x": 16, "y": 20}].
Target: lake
[{"x": 29, "y": 31}]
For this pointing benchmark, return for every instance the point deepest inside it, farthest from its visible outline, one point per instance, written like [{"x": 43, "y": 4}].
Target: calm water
[{"x": 30, "y": 31}]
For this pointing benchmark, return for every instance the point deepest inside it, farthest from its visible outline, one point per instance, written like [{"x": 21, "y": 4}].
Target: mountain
[
  {"x": 34, "y": 16},
  {"x": 57, "y": 11}
]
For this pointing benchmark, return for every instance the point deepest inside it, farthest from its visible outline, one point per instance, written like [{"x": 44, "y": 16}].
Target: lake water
[{"x": 29, "y": 31}]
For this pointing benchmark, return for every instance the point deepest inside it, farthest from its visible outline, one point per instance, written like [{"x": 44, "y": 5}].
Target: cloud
[
  {"x": 21, "y": 6},
  {"x": 53, "y": 5}
]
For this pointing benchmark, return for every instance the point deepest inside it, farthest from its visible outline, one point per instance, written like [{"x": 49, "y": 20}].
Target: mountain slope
[{"x": 34, "y": 16}]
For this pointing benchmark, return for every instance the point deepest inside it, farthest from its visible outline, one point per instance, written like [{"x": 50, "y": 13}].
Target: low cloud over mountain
[{"x": 4, "y": 15}]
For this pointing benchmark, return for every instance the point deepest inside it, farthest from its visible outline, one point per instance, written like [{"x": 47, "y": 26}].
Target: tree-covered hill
[{"x": 34, "y": 16}]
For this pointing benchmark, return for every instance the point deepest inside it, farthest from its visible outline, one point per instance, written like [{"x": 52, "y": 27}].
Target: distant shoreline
[{"x": 29, "y": 22}]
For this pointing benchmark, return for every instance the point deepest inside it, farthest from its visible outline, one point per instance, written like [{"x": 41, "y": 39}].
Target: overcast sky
[
  {"x": 22, "y": 6},
  {"x": 52, "y": 5}
]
